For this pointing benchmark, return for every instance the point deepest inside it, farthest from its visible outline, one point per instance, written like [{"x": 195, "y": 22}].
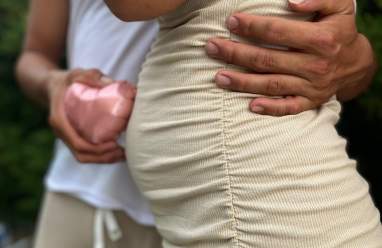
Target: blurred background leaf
[
  {"x": 25, "y": 140},
  {"x": 369, "y": 23}
]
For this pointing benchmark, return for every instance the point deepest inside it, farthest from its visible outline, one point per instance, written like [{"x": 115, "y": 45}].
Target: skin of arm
[
  {"x": 132, "y": 10},
  {"x": 41, "y": 79},
  {"x": 43, "y": 47},
  {"x": 321, "y": 64}
]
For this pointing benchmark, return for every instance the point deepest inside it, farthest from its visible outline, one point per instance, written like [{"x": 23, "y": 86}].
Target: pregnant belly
[
  {"x": 178, "y": 133},
  {"x": 197, "y": 153},
  {"x": 171, "y": 129}
]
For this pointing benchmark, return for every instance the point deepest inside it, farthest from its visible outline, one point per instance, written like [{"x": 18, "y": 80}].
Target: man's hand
[
  {"x": 84, "y": 151},
  {"x": 325, "y": 58}
]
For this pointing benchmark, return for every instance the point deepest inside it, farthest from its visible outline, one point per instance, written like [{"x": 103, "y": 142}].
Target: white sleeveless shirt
[{"x": 96, "y": 39}]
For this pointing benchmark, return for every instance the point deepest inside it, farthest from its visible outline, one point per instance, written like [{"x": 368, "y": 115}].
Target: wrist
[
  {"x": 53, "y": 76},
  {"x": 55, "y": 79},
  {"x": 361, "y": 72}
]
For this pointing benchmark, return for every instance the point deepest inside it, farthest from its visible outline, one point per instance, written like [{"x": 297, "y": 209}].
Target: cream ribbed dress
[{"x": 220, "y": 176}]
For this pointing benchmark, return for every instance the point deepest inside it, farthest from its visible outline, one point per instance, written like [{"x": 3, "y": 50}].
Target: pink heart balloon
[{"x": 99, "y": 114}]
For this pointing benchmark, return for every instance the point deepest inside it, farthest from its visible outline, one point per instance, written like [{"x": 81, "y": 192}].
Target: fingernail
[
  {"x": 232, "y": 23},
  {"x": 257, "y": 109},
  {"x": 212, "y": 49},
  {"x": 296, "y": 1},
  {"x": 223, "y": 80},
  {"x": 106, "y": 80}
]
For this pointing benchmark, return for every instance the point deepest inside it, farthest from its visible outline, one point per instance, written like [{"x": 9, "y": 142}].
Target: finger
[
  {"x": 324, "y": 7},
  {"x": 67, "y": 133},
  {"x": 108, "y": 158},
  {"x": 79, "y": 144},
  {"x": 281, "y": 107},
  {"x": 105, "y": 80},
  {"x": 91, "y": 77},
  {"x": 306, "y": 36},
  {"x": 264, "y": 84},
  {"x": 269, "y": 61}
]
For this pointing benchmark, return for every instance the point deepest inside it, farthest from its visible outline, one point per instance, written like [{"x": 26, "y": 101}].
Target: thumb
[
  {"x": 93, "y": 78},
  {"x": 324, "y": 7},
  {"x": 105, "y": 80}
]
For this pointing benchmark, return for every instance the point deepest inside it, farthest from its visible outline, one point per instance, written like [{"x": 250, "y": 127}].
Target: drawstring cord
[{"x": 105, "y": 217}]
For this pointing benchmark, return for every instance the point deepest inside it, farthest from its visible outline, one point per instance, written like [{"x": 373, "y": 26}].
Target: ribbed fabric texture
[{"x": 220, "y": 176}]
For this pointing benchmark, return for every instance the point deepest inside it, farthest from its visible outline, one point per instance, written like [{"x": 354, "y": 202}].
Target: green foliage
[
  {"x": 25, "y": 140},
  {"x": 371, "y": 25}
]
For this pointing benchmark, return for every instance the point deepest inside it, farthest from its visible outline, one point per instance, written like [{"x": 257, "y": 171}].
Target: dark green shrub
[
  {"x": 25, "y": 140},
  {"x": 370, "y": 23}
]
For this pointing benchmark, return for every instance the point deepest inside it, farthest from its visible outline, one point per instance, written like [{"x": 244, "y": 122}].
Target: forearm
[
  {"x": 132, "y": 10},
  {"x": 33, "y": 72},
  {"x": 43, "y": 47},
  {"x": 361, "y": 75}
]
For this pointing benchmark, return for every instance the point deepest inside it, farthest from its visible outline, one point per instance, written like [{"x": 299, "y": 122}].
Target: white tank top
[{"x": 96, "y": 39}]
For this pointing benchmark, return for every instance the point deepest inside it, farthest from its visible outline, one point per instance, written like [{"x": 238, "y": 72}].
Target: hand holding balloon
[{"x": 99, "y": 114}]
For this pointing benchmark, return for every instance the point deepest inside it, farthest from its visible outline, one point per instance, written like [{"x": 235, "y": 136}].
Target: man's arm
[
  {"x": 42, "y": 80},
  {"x": 321, "y": 63},
  {"x": 132, "y": 10}
]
